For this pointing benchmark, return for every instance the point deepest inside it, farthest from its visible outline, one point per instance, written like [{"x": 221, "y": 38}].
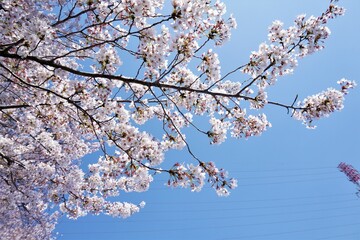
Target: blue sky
[{"x": 289, "y": 186}]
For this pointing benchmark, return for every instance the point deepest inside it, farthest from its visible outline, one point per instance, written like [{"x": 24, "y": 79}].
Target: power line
[
  {"x": 159, "y": 177},
  {"x": 290, "y": 232},
  {"x": 254, "y": 200},
  {"x": 223, "y": 227},
  {"x": 291, "y": 175},
  {"x": 342, "y": 235},
  {"x": 263, "y": 183},
  {"x": 286, "y": 169},
  {"x": 237, "y": 216},
  {"x": 247, "y": 208}
]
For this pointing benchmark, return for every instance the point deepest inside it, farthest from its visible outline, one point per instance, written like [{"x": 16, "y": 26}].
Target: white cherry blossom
[{"x": 84, "y": 77}]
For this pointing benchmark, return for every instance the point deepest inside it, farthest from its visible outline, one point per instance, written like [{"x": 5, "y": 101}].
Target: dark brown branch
[
  {"x": 128, "y": 80},
  {"x": 13, "y": 106}
]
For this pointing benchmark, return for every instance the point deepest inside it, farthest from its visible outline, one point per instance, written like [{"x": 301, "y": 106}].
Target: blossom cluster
[
  {"x": 280, "y": 57},
  {"x": 194, "y": 177},
  {"x": 322, "y": 104},
  {"x": 350, "y": 172}
]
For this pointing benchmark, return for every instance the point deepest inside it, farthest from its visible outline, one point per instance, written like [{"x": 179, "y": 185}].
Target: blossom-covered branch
[{"x": 352, "y": 174}]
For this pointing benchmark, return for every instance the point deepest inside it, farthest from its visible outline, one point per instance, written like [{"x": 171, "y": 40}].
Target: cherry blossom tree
[
  {"x": 352, "y": 174},
  {"x": 85, "y": 76}
]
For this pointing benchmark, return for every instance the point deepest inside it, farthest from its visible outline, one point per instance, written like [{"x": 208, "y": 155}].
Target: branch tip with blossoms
[
  {"x": 323, "y": 104},
  {"x": 352, "y": 174},
  {"x": 195, "y": 176}
]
